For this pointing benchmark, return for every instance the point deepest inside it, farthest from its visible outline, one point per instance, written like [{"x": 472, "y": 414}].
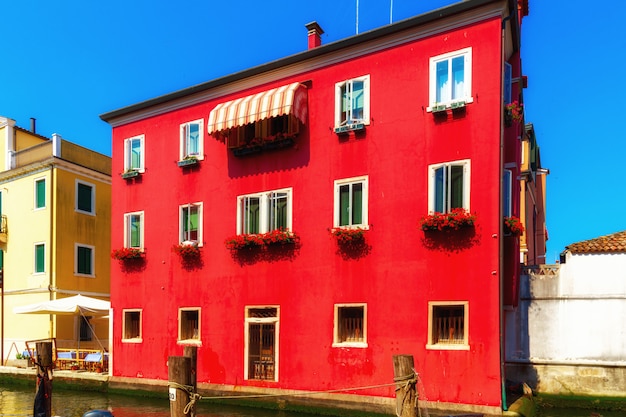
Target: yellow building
[{"x": 55, "y": 206}]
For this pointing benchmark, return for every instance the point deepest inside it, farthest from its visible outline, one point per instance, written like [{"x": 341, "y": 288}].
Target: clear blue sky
[{"x": 67, "y": 62}]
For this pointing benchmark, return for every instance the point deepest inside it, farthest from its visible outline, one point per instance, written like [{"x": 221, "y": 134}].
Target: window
[
  {"x": 40, "y": 258},
  {"x": 40, "y": 193},
  {"x": 84, "y": 260},
  {"x": 134, "y": 154},
  {"x": 133, "y": 233},
  {"x": 350, "y": 325},
  {"x": 131, "y": 326},
  {"x": 352, "y": 101},
  {"x": 264, "y": 212},
  {"x": 191, "y": 139},
  {"x": 85, "y": 331},
  {"x": 449, "y": 185},
  {"x": 351, "y": 203},
  {"x": 191, "y": 223},
  {"x": 508, "y": 79},
  {"x": 188, "y": 324},
  {"x": 451, "y": 78},
  {"x": 262, "y": 343},
  {"x": 447, "y": 325},
  {"x": 507, "y": 186},
  {"x": 85, "y": 197}
]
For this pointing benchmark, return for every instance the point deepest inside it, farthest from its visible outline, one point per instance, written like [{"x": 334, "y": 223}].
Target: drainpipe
[{"x": 52, "y": 271}]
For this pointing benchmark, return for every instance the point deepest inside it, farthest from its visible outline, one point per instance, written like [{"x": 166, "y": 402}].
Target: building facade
[
  {"x": 304, "y": 221},
  {"x": 55, "y": 236}
]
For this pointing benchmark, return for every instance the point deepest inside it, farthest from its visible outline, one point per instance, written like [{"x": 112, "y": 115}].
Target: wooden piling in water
[
  {"x": 44, "y": 377},
  {"x": 191, "y": 352},
  {"x": 179, "y": 377},
  {"x": 406, "y": 381}
]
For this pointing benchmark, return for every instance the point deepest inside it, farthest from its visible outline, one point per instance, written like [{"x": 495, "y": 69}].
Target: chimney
[
  {"x": 315, "y": 33},
  {"x": 32, "y": 125}
]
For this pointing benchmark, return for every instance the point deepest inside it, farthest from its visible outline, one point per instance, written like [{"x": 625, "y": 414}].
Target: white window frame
[
  {"x": 93, "y": 197},
  {"x": 364, "y": 180},
  {"x": 467, "y": 78},
  {"x": 139, "y": 338},
  {"x": 183, "y": 140},
  {"x": 127, "y": 154},
  {"x": 45, "y": 190},
  {"x": 196, "y": 340},
  {"x": 264, "y": 209},
  {"x": 181, "y": 228},
  {"x": 336, "y": 336},
  {"x": 466, "y": 183},
  {"x": 93, "y": 259},
  {"x": 247, "y": 321},
  {"x": 366, "y": 101},
  {"x": 45, "y": 249},
  {"x": 431, "y": 315},
  {"x": 127, "y": 217}
]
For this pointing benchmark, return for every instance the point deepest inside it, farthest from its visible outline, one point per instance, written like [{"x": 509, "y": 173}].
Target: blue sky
[{"x": 65, "y": 63}]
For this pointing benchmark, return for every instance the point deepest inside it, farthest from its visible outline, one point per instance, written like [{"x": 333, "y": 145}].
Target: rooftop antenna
[{"x": 357, "y": 17}]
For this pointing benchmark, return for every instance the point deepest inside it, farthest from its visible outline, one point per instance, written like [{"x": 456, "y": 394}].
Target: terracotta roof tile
[{"x": 612, "y": 243}]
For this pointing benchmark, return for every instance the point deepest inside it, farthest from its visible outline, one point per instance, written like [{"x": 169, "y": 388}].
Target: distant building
[
  {"x": 571, "y": 321},
  {"x": 54, "y": 236},
  {"x": 356, "y": 147}
]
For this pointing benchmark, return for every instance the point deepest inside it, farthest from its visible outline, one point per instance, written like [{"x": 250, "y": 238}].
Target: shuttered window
[
  {"x": 84, "y": 197},
  {"x": 84, "y": 260},
  {"x": 40, "y": 258},
  {"x": 40, "y": 193}
]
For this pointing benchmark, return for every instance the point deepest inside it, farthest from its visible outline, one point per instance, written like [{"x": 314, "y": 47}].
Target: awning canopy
[
  {"x": 76, "y": 305},
  {"x": 288, "y": 99}
]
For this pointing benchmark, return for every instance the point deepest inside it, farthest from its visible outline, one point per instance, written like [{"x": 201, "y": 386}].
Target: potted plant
[
  {"x": 243, "y": 241},
  {"x": 279, "y": 236},
  {"x": 513, "y": 112},
  {"x": 187, "y": 249},
  {"x": 513, "y": 226},
  {"x": 455, "y": 219}
]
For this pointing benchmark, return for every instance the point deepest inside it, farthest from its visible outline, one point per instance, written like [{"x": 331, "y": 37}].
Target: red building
[{"x": 300, "y": 190}]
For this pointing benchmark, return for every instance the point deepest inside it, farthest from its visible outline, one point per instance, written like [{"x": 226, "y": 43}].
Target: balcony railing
[{"x": 3, "y": 228}]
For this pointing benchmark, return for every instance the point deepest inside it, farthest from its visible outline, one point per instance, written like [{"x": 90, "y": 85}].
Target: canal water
[{"x": 18, "y": 402}]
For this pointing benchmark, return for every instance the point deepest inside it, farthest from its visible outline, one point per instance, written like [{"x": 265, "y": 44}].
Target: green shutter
[
  {"x": 456, "y": 186},
  {"x": 83, "y": 260},
  {"x": 40, "y": 193},
  {"x": 357, "y": 203},
  {"x": 1, "y": 259},
  {"x": 84, "y": 202},
  {"x": 40, "y": 258},
  {"x": 344, "y": 205}
]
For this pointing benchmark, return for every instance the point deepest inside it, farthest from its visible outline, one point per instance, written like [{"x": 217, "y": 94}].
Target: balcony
[{"x": 3, "y": 229}]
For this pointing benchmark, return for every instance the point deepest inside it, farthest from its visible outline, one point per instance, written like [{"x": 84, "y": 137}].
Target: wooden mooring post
[
  {"x": 191, "y": 352},
  {"x": 180, "y": 385},
  {"x": 43, "y": 395},
  {"x": 406, "y": 385}
]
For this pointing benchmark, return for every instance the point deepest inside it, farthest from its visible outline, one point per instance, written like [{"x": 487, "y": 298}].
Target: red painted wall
[{"x": 402, "y": 272}]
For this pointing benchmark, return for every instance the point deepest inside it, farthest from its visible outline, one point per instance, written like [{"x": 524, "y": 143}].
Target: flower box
[
  {"x": 513, "y": 112},
  {"x": 513, "y": 226},
  {"x": 456, "y": 105},
  {"x": 350, "y": 127},
  {"x": 438, "y": 108},
  {"x": 347, "y": 236},
  {"x": 188, "y": 161},
  {"x": 125, "y": 254},
  {"x": 455, "y": 219},
  {"x": 130, "y": 174},
  {"x": 187, "y": 249},
  {"x": 269, "y": 143},
  {"x": 273, "y": 238}
]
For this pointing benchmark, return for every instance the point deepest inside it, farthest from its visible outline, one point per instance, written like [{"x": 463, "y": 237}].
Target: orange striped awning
[{"x": 288, "y": 99}]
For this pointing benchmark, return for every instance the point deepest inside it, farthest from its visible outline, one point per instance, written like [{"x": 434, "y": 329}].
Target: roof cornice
[{"x": 437, "y": 21}]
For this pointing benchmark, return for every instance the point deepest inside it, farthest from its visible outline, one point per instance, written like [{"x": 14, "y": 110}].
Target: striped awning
[{"x": 288, "y": 99}]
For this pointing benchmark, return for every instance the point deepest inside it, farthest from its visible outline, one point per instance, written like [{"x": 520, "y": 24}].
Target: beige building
[{"x": 54, "y": 237}]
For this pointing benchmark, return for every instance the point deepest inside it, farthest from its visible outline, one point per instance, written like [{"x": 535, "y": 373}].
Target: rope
[
  {"x": 194, "y": 397},
  {"x": 409, "y": 382}
]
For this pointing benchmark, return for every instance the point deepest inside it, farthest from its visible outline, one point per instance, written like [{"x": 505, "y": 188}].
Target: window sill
[
  {"x": 453, "y": 105},
  {"x": 130, "y": 174},
  {"x": 443, "y": 346},
  {"x": 138, "y": 340},
  {"x": 351, "y": 127},
  {"x": 189, "y": 342},
  {"x": 187, "y": 162},
  {"x": 350, "y": 345}
]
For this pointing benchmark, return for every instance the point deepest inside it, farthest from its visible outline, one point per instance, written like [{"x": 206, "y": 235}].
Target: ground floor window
[
  {"x": 350, "y": 325},
  {"x": 131, "y": 326},
  {"x": 262, "y": 343},
  {"x": 189, "y": 325},
  {"x": 447, "y": 325}
]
